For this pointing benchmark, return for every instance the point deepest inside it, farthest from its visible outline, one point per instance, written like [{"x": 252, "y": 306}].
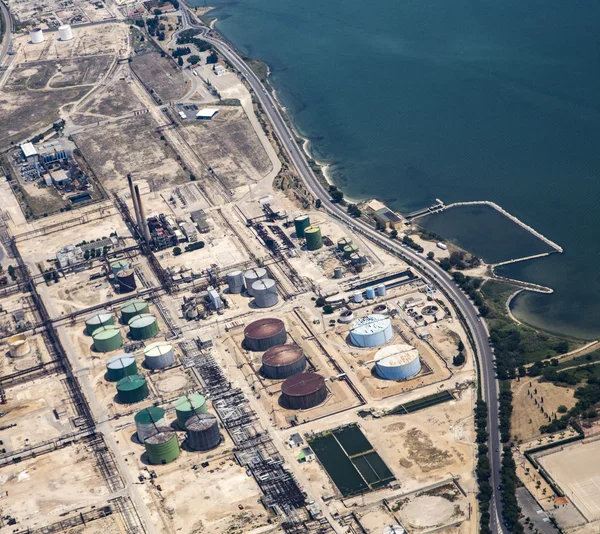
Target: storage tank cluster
[
  {"x": 18, "y": 346},
  {"x": 283, "y": 361},
  {"x": 126, "y": 280},
  {"x": 159, "y": 355},
  {"x": 397, "y": 362},
  {"x": 371, "y": 331},
  {"x": 143, "y": 326},
  {"x": 36, "y": 35},
  {"x": 132, "y": 389},
  {"x": 343, "y": 243},
  {"x": 263, "y": 334},
  {"x": 301, "y": 223},
  {"x": 97, "y": 320},
  {"x": 235, "y": 281},
  {"x": 65, "y": 33},
  {"x": 253, "y": 275},
  {"x": 132, "y": 308},
  {"x": 314, "y": 240},
  {"x": 303, "y": 391},
  {"x": 120, "y": 366},
  {"x": 107, "y": 338}
]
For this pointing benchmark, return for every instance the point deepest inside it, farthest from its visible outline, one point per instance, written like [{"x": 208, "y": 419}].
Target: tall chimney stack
[
  {"x": 136, "y": 207},
  {"x": 143, "y": 220}
]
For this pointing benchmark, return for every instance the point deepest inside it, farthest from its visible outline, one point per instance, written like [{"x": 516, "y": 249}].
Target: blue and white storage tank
[
  {"x": 397, "y": 362},
  {"x": 380, "y": 290},
  {"x": 371, "y": 331},
  {"x": 370, "y": 292}
]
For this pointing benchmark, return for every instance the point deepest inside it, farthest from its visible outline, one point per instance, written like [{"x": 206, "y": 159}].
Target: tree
[
  {"x": 212, "y": 58},
  {"x": 562, "y": 409},
  {"x": 318, "y": 203},
  {"x": 320, "y": 302},
  {"x": 327, "y": 309},
  {"x": 353, "y": 210},
  {"x": 180, "y": 61},
  {"x": 458, "y": 359},
  {"x": 192, "y": 60},
  {"x": 86, "y": 255},
  {"x": 175, "y": 4},
  {"x": 12, "y": 272},
  {"x": 445, "y": 264},
  {"x": 394, "y": 234},
  {"x": 337, "y": 196},
  {"x": 430, "y": 255},
  {"x": 461, "y": 346}
]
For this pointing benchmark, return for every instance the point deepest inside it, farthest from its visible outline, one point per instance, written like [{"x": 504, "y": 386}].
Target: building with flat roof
[
  {"x": 207, "y": 114},
  {"x": 29, "y": 152},
  {"x": 387, "y": 218}
]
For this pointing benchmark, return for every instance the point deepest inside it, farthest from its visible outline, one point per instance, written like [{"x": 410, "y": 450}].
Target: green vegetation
[
  {"x": 460, "y": 260},
  {"x": 193, "y": 60},
  {"x": 336, "y": 194},
  {"x": 188, "y": 37},
  {"x": 194, "y": 246},
  {"x": 353, "y": 210},
  {"x": 422, "y": 403},
  {"x": 408, "y": 241},
  {"x": 510, "y": 507},
  {"x": 483, "y": 470}
]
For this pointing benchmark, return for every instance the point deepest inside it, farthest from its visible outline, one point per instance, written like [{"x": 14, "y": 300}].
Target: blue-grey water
[{"x": 412, "y": 100}]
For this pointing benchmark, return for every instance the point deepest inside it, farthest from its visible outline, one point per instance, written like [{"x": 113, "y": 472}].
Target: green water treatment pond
[{"x": 350, "y": 461}]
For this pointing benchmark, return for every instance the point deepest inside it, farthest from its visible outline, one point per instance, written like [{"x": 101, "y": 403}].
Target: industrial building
[
  {"x": 283, "y": 361},
  {"x": 397, "y": 362},
  {"x": 65, "y": 33},
  {"x": 371, "y": 331},
  {"x": 18, "y": 346},
  {"x": 148, "y": 420},
  {"x": 36, "y": 35},
  {"x": 126, "y": 280},
  {"x": 189, "y": 405},
  {"x": 120, "y": 366},
  {"x": 263, "y": 334},
  {"x": 29, "y": 153},
  {"x": 159, "y": 355},
  {"x": 303, "y": 391},
  {"x": 202, "y": 432},
  {"x": 119, "y": 265},
  {"x": 162, "y": 446},
  {"x": 206, "y": 114},
  {"x": 131, "y": 389}
]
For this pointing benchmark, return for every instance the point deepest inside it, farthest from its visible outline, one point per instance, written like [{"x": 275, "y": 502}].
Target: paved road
[
  {"x": 7, "y": 35},
  {"x": 430, "y": 269}
]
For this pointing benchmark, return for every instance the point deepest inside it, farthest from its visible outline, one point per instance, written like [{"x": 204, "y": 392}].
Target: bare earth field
[
  {"x": 161, "y": 75},
  {"x": 130, "y": 146}
]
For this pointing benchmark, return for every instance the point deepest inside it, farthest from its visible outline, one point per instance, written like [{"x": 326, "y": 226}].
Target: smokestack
[
  {"x": 136, "y": 207},
  {"x": 143, "y": 220}
]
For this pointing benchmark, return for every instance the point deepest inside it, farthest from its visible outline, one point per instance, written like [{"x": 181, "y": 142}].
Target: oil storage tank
[
  {"x": 97, "y": 320},
  {"x": 235, "y": 281},
  {"x": 107, "y": 338},
  {"x": 120, "y": 366},
  {"x": 132, "y": 308},
  {"x": 143, "y": 327},
  {"x": 303, "y": 391},
  {"x": 159, "y": 355},
  {"x": 189, "y": 405},
  {"x": 371, "y": 331},
  {"x": 119, "y": 265},
  {"x": 162, "y": 446},
  {"x": 343, "y": 243},
  {"x": 253, "y": 275},
  {"x": 301, "y": 223},
  {"x": 202, "y": 432},
  {"x": 349, "y": 250},
  {"x": 265, "y": 293},
  {"x": 65, "y": 33},
  {"x": 397, "y": 362},
  {"x": 18, "y": 346},
  {"x": 283, "y": 361},
  {"x": 263, "y": 334},
  {"x": 132, "y": 389},
  {"x": 126, "y": 280},
  {"x": 314, "y": 240},
  {"x": 380, "y": 290},
  {"x": 148, "y": 420},
  {"x": 370, "y": 292},
  {"x": 36, "y": 35}
]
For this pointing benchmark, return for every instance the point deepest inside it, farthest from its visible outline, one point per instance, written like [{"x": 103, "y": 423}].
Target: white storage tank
[
  {"x": 36, "y": 35},
  {"x": 357, "y": 297},
  {"x": 148, "y": 420},
  {"x": 371, "y": 331},
  {"x": 159, "y": 355},
  {"x": 397, "y": 362},
  {"x": 265, "y": 293},
  {"x": 346, "y": 317},
  {"x": 18, "y": 346},
  {"x": 253, "y": 275},
  {"x": 235, "y": 281},
  {"x": 65, "y": 33},
  {"x": 380, "y": 290}
]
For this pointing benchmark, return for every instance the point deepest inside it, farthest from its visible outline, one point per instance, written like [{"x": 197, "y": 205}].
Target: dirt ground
[
  {"x": 41, "y": 489},
  {"x": 161, "y": 75},
  {"x": 527, "y": 416},
  {"x": 130, "y": 146}
]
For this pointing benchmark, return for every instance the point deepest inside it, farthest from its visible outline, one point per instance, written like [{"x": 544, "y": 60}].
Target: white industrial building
[
  {"x": 189, "y": 230},
  {"x": 206, "y": 114},
  {"x": 29, "y": 152},
  {"x": 69, "y": 255}
]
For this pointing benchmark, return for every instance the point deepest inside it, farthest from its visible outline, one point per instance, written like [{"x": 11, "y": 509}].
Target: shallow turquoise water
[{"x": 453, "y": 99}]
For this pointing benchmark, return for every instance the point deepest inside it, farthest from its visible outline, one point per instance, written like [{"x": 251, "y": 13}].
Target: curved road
[
  {"x": 429, "y": 268},
  {"x": 7, "y": 34}
]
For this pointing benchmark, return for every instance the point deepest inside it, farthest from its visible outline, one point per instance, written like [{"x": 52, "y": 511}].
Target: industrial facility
[
  {"x": 371, "y": 331},
  {"x": 132, "y": 389},
  {"x": 143, "y": 326},
  {"x": 397, "y": 362},
  {"x": 107, "y": 338}
]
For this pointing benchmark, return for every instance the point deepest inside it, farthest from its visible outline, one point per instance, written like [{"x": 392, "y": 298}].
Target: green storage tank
[
  {"x": 120, "y": 366},
  {"x": 119, "y": 265},
  {"x": 107, "y": 338},
  {"x": 162, "y": 446},
  {"x": 314, "y": 241},
  {"x": 301, "y": 223},
  {"x": 97, "y": 320},
  {"x": 143, "y": 326},
  {"x": 343, "y": 242},
  {"x": 132, "y": 389},
  {"x": 189, "y": 405},
  {"x": 349, "y": 250},
  {"x": 132, "y": 308}
]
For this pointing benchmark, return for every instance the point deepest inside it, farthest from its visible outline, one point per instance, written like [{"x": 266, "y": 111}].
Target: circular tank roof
[
  {"x": 236, "y": 272},
  {"x": 302, "y": 384},
  {"x": 264, "y": 328},
  {"x": 106, "y": 332},
  {"x": 370, "y": 324},
  {"x": 301, "y": 218},
  {"x": 142, "y": 321},
  {"x": 99, "y": 317},
  {"x": 125, "y": 272},
  {"x": 312, "y": 229},
  {"x": 157, "y": 349},
  {"x": 202, "y": 421},
  {"x": 134, "y": 305},
  {"x": 264, "y": 284},
  {"x": 149, "y": 415},
  {"x": 64, "y": 27},
  {"x": 130, "y": 383},
  {"x": 160, "y": 435},
  {"x": 258, "y": 272},
  {"x": 120, "y": 362},
  {"x": 117, "y": 263},
  {"x": 282, "y": 355},
  {"x": 396, "y": 355},
  {"x": 189, "y": 403}
]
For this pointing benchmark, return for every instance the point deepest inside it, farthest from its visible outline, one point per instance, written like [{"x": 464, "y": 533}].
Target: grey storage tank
[
  {"x": 202, "y": 432},
  {"x": 265, "y": 293},
  {"x": 283, "y": 361},
  {"x": 253, "y": 275},
  {"x": 235, "y": 281},
  {"x": 159, "y": 355}
]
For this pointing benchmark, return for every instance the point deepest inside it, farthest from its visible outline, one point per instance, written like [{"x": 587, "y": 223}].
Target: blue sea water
[{"x": 454, "y": 99}]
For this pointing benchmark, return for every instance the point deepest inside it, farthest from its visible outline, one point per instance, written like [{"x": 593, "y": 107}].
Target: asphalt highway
[
  {"x": 7, "y": 35},
  {"x": 430, "y": 269}
]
